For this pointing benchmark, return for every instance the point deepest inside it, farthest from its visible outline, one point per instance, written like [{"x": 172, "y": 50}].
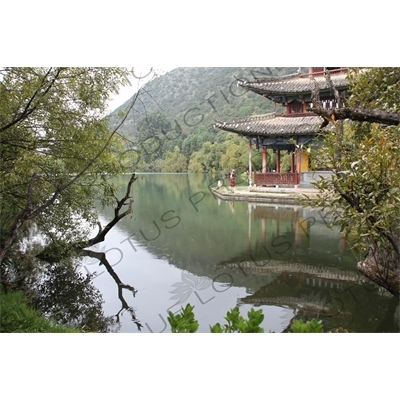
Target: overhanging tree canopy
[
  {"x": 55, "y": 144},
  {"x": 374, "y": 97},
  {"x": 363, "y": 195}
]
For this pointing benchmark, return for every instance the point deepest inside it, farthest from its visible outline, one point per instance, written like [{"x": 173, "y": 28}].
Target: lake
[{"x": 182, "y": 245}]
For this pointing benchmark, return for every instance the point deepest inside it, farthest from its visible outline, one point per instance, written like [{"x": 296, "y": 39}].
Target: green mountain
[
  {"x": 199, "y": 96},
  {"x": 171, "y": 126}
]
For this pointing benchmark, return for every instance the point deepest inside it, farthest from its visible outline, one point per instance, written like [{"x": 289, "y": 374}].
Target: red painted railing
[{"x": 261, "y": 179}]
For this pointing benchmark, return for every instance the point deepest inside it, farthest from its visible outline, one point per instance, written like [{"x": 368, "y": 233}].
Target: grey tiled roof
[
  {"x": 274, "y": 125},
  {"x": 293, "y": 84}
]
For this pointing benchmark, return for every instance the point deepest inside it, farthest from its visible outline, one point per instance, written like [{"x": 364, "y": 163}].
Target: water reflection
[
  {"x": 337, "y": 303},
  {"x": 125, "y": 307},
  {"x": 276, "y": 257},
  {"x": 69, "y": 297},
  {"x": 65, "y": 290}
]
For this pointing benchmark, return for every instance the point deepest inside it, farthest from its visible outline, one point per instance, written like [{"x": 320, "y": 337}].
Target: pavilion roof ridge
[
  {"x": 295, "y": 85},
  {"x": 295, "y": 75},
  {"x": 270, "y": 78},
  {"x": 255, "y": 117},
  {"x": 248, "y": 118}
]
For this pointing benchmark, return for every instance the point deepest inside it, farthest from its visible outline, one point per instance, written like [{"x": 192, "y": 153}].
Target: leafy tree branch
[
  {"x": 363, "y": 194},
  {"x": 56, "y": 145}
]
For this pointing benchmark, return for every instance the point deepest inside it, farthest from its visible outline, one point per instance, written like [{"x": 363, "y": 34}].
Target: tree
[
  {"x": 57, "y": 150},
  {"x": 152, "y": 134},
  {"x": 174, "y": 161},
  {"x": 374, "y": 97},
  {"x": 195, "y": 164},
  {"x": 235, "y": 154},
  {"x": 363, "y": 195},
  {"x": 195, "y": 140},
  {"x": 208, "y": 158}
]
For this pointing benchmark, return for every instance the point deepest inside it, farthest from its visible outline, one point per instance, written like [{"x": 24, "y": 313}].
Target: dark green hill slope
[{"x": 197, "y": 96}]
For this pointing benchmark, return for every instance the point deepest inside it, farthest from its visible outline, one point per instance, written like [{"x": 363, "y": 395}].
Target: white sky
[{"x": 139, "y": 76}]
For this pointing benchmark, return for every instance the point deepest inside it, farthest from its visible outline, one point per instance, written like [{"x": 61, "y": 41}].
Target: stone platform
[{"x": 265, "y": 194}]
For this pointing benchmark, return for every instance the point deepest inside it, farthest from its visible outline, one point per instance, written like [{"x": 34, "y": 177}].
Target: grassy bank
[{"x": 17, "y": 316}]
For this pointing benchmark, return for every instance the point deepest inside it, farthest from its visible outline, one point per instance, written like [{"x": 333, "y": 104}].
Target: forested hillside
[{"x": 171, "y": 126}]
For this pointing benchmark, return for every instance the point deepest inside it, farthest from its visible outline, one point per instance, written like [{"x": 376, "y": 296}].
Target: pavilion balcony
[{"x": 276, "y": 179}]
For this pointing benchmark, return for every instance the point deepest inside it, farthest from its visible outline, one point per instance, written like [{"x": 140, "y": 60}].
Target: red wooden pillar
[
  {"x": 250, "y": 159},
  {"x": 278, "y": 161},
  {"x": 298, "y": 165},
  {"x": 292, "y": 170},
  {"x": 264, "y": 160}
]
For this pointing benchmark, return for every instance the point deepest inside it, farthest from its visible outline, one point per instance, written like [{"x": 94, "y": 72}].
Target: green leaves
[
  {"x": 18, "y": 316},
  {"x": 56, "y": 143},
  {"x": 363, "y": 194},
  {"x": 184, "y": 322},
  {"x": 313, "y": 326},
  {"x": 237, "y": 324},
  {"x": 376, "y": 88}
]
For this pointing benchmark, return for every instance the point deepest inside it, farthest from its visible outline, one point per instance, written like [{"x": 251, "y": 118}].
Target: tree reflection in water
[
  {"x": 120, "y": 285},
  {"x": 55, "y": 283},
  {"x": 69, "y": 297}
]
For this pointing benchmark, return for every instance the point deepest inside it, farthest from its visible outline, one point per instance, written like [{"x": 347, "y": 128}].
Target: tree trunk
[{"x": 385, "y": 276}]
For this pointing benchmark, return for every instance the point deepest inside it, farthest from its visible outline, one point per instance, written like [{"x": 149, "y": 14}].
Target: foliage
[
  {"x": 196, "y": 96},
  {"x": 313, "y": 326},
  {"x": 184, "y": 322},
  {"x": 375, "y": 88},
  {"x": 61, "y": 290},
  {"x": 365, "y": 182},
  {"x": 286, "y": 162},
  {"x": 151, "y": 138},
  {"x": 70, "y": 297},
  {"x": 235, "y": 154},
  {"x": 195, "y": 164},
  {"x": 199, "y": 152},
  {"x": 57, "y": 150},
  {"x": 16, "y": 315},
  {"x": 208, "y": 159},
  {"x": 363, "y": 195},
  {"x": 195, "y": 140},
  {"x": 237, "y": 324},
  {"x": 174, "y": 161},
  {"x": 231, "y": 153},
  {"x": 190, "y": 100}
]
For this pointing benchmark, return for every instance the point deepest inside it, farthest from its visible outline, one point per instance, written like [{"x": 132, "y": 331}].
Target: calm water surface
[{"x": 182, "y": 245}]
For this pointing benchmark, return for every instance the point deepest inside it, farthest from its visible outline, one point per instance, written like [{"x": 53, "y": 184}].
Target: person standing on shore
[{"x": 232, "y": 178}]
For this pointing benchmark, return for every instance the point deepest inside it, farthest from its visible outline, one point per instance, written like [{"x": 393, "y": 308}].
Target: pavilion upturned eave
[
  {"x": 295, "y": 87},
  {"x": 274, "y": 125}
]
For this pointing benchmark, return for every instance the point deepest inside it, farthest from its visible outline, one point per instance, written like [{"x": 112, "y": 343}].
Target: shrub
[{"x": 17, "y": 316}]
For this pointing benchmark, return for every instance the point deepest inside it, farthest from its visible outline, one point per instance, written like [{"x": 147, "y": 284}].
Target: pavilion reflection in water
[
  {"x": 299, "y": 279},
  {"x": 302, "y": 227},
  {"x": 339, "y": 297}
]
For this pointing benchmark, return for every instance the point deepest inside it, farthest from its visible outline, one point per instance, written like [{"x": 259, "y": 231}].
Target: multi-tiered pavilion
[{"x": 293, "y": 131}]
